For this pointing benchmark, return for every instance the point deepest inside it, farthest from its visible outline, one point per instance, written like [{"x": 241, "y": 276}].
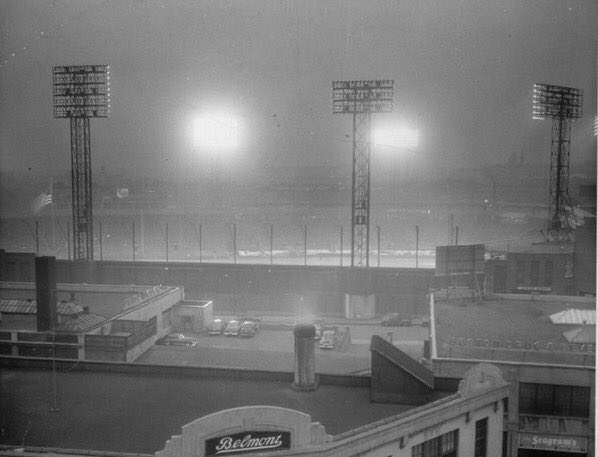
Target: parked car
[
  {"x": 177, "y": 339},
  {"x": 248, "y": 329},
  {"x": 395, "y": 319},
  {"x": 232, "y": 329},
  {"x": 328, "y": 338},
  {"x": 255, "y": 320},
  {"x": 318, "y": 324},
  {"x": 216, "y": 327}
]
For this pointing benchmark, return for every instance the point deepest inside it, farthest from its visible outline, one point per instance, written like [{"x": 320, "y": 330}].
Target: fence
[{"x": 181, "y": 238}]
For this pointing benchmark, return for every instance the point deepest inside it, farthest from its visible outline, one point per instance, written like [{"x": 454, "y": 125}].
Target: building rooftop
[
  {"x": 29, "y": 306},
  {"x": 510, "y": 330},
  {"x": 584, "y": 334},
  {"x": 104, "y": 300},
  {"x": 139, "y": 412},
  {"x": 574, "y": 316},
  {"x": 72, "y": 317}
]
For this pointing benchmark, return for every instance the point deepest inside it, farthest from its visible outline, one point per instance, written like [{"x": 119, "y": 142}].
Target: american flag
[{"x": 40, "y": 201}]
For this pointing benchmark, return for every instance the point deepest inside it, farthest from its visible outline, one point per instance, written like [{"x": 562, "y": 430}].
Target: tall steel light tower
[
  {"x": 80, "y": 93},
  {"x": 361, "y": 98},
  {"x": 562, "y": 105}
]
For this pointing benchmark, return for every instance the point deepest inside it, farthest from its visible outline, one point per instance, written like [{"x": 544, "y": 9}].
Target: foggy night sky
[{"x": 463, "y": 74}]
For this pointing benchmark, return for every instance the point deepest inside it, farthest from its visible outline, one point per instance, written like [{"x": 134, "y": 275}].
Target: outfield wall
[{"x": 279, "y": 289}]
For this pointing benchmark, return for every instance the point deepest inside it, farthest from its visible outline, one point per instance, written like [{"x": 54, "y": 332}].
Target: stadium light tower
[
  {"x": 562, "y": 105},
  {"x": 361, "y": 98},
  {"x": 80, "y": 93}
]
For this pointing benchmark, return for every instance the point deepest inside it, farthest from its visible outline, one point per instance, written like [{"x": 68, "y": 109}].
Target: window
[
  {"x": 553, "y": 400},
  {"x": 481, "y": 437},
  {"x": 534, "y": 273},
  {"x": 548, "y": 273},
  {"x": 441, "y": 446}
]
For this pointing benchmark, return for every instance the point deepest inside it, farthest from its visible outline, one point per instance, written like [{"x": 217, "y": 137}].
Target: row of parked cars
[{"x": 246, "y": 327}]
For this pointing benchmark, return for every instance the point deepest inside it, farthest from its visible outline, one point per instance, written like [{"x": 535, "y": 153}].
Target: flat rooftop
[
  {"x": 510, "y": 330},
  {"x": 139, "y": 412}
]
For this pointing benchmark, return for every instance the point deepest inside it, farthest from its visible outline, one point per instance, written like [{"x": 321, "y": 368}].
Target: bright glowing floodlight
[
  {"x": 216, "y": 131},
  {"x": 396, "y": 137}
]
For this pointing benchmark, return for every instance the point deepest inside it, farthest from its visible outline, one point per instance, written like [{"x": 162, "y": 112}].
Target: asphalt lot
[{"x": 272, "y": 349}]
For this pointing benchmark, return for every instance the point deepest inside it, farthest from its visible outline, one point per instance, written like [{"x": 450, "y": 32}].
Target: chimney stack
[
  {"x": 305, "y": 358},
  {"x": 45, "y": 290}
]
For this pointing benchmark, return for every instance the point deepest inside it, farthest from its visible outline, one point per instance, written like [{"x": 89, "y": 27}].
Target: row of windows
[
  {"x": 553, "y": 400},
  {"x": 442, "y": 446},
  {"x": 447, "y": 445}
]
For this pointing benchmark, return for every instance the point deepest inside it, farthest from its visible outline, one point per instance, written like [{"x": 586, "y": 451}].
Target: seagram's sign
[
  {"x": 251, "y": 441},
  {"x": 553, "y": 442}
]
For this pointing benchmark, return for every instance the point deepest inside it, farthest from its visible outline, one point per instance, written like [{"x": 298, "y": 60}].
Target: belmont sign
[
  {"x": 553, "y": 442},
  {"x": 252, "y": 441}
]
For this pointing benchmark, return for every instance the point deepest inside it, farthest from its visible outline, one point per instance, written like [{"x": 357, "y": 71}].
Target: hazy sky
[{"x": 463, "y": 74}]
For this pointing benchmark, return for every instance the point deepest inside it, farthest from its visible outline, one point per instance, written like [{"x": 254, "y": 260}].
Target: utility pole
[
  {"x": 101, "y": 244},
  {"x": 341, "y": 246},
  {"x": 142, "y": 236},
  {"x": 200, "y": 244},
  {"x": 416, "y": 246},
  {"x": 166, "y": 242},
  {"x": 378, "y": 246},
  {"x": 68, "y": 242},
  {"x": 271, "y": 244},
  {"x": 305, "y": 245},
  {"x": 52, "y": 215}
]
